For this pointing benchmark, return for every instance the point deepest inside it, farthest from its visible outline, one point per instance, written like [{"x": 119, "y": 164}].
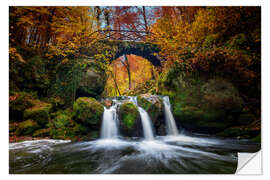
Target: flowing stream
[
  {"x": 114, "y": 154},
  {"x": 170, "y": 122},
  {"x": 147, "y": 125},
  {"x": 146, "y": 121},
  {"x": 109, "y": 127}
]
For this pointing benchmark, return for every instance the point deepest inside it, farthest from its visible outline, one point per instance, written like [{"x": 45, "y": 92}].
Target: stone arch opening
[{"x": 145, "y": 50}]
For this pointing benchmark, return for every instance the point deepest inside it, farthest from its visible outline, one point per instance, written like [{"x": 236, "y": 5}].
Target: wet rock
[
  {"x": 107, "y": 103},
  {"x": 130, "y": 122},
  {"x": 152, "y": 104}
]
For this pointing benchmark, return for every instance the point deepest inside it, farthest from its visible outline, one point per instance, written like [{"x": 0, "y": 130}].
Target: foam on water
[{"x": 36, "y": 143}]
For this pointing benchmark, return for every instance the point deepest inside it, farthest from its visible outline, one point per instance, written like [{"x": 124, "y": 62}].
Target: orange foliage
[
  {"x": 141, "y": 71},
  {"x": 223, "y": 61}
]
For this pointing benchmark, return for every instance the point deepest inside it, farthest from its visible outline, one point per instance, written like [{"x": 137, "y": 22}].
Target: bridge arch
[{"x": 145, "y": 50}]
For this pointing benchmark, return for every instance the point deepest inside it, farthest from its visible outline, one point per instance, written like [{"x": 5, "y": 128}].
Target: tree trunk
[
  {"x": 115, "y": 83},
  {"x": 144, "y": 18},
  {"x": 127, "y": 66}
]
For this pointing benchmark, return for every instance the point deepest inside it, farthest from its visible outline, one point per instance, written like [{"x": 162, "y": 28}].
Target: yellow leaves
[
  {"x": 173, "y": 35},
  {"x": 14, "y": 55}
]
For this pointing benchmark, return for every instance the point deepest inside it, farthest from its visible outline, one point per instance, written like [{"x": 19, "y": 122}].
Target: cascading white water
[
  {"x": 109, "y": 129},
  {"x": 146, "y": 120},
  {"x": 170, "y": 122},
  {"x": 146, "y": 124}
]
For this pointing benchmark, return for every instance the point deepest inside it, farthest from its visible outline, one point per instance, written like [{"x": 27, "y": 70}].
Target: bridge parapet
[{"x": 124, "y": 35}]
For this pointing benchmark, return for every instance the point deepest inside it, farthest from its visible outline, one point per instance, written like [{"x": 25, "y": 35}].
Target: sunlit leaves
[{"x": 141, "y": 71}]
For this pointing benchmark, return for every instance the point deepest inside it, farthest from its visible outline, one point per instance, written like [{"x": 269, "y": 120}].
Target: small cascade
[
  {"x": 170, "y": 122},
  {"x": 146, "y": 120},
  {"x": 109, "y": 129},
  {"x": 147, "y": 125}
]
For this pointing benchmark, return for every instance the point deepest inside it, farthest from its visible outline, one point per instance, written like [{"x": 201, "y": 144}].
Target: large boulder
[
  {"x": 63, "y": 127},
  {"x": 88, "y": 111},
  {"x": 154, "y": 106},
  {"x": 18, "y": 103},
  {"x": 26, "y": 127},
  {"x": 208, "y": 106},
  {"x": 107, "y": 103},
  {"x": 39, "y": 113},
  {"x": 25, "y": 105},
  {"x": 130, "y": 122},
  {"x": 92, "y": 83}
]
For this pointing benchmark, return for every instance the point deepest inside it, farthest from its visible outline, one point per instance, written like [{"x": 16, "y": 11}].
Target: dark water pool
[{"x": 165, "y": 155}]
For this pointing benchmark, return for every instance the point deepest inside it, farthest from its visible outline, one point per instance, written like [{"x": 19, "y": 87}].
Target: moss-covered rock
[
  {"x": 63, "y": 127},
  {"x": 205, "y": 105},
  {"x": 130, "y": 123},
  {"x": 88, "y": 111},
  {"x": 42, "y": 133},
  {"x": 26, "y": 127},
  {"x": 56, "y": 102},
  {"x": 39, "y": 113},
  {"x": 18, "y": 102}
]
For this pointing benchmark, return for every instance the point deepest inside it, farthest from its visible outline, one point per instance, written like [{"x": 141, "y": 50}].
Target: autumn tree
[
  {"x": 58, "y": 30},
  {"x": 181, "y": 30},
  {"x": 126, "y": 64}
]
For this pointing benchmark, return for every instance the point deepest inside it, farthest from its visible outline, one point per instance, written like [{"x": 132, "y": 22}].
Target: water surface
[{"x": 182, "y": 154}]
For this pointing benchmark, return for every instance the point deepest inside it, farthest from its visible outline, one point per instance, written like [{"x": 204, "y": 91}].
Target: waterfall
[
  {"x": 146, "y": 120},
  {"x": 146, "y": 124},
  {"x": 109, "y": 127},
  {"x": 170, "y": 122}
]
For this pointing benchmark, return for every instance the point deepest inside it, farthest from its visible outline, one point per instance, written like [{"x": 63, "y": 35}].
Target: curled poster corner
[{"x": 249, "y": 163}]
